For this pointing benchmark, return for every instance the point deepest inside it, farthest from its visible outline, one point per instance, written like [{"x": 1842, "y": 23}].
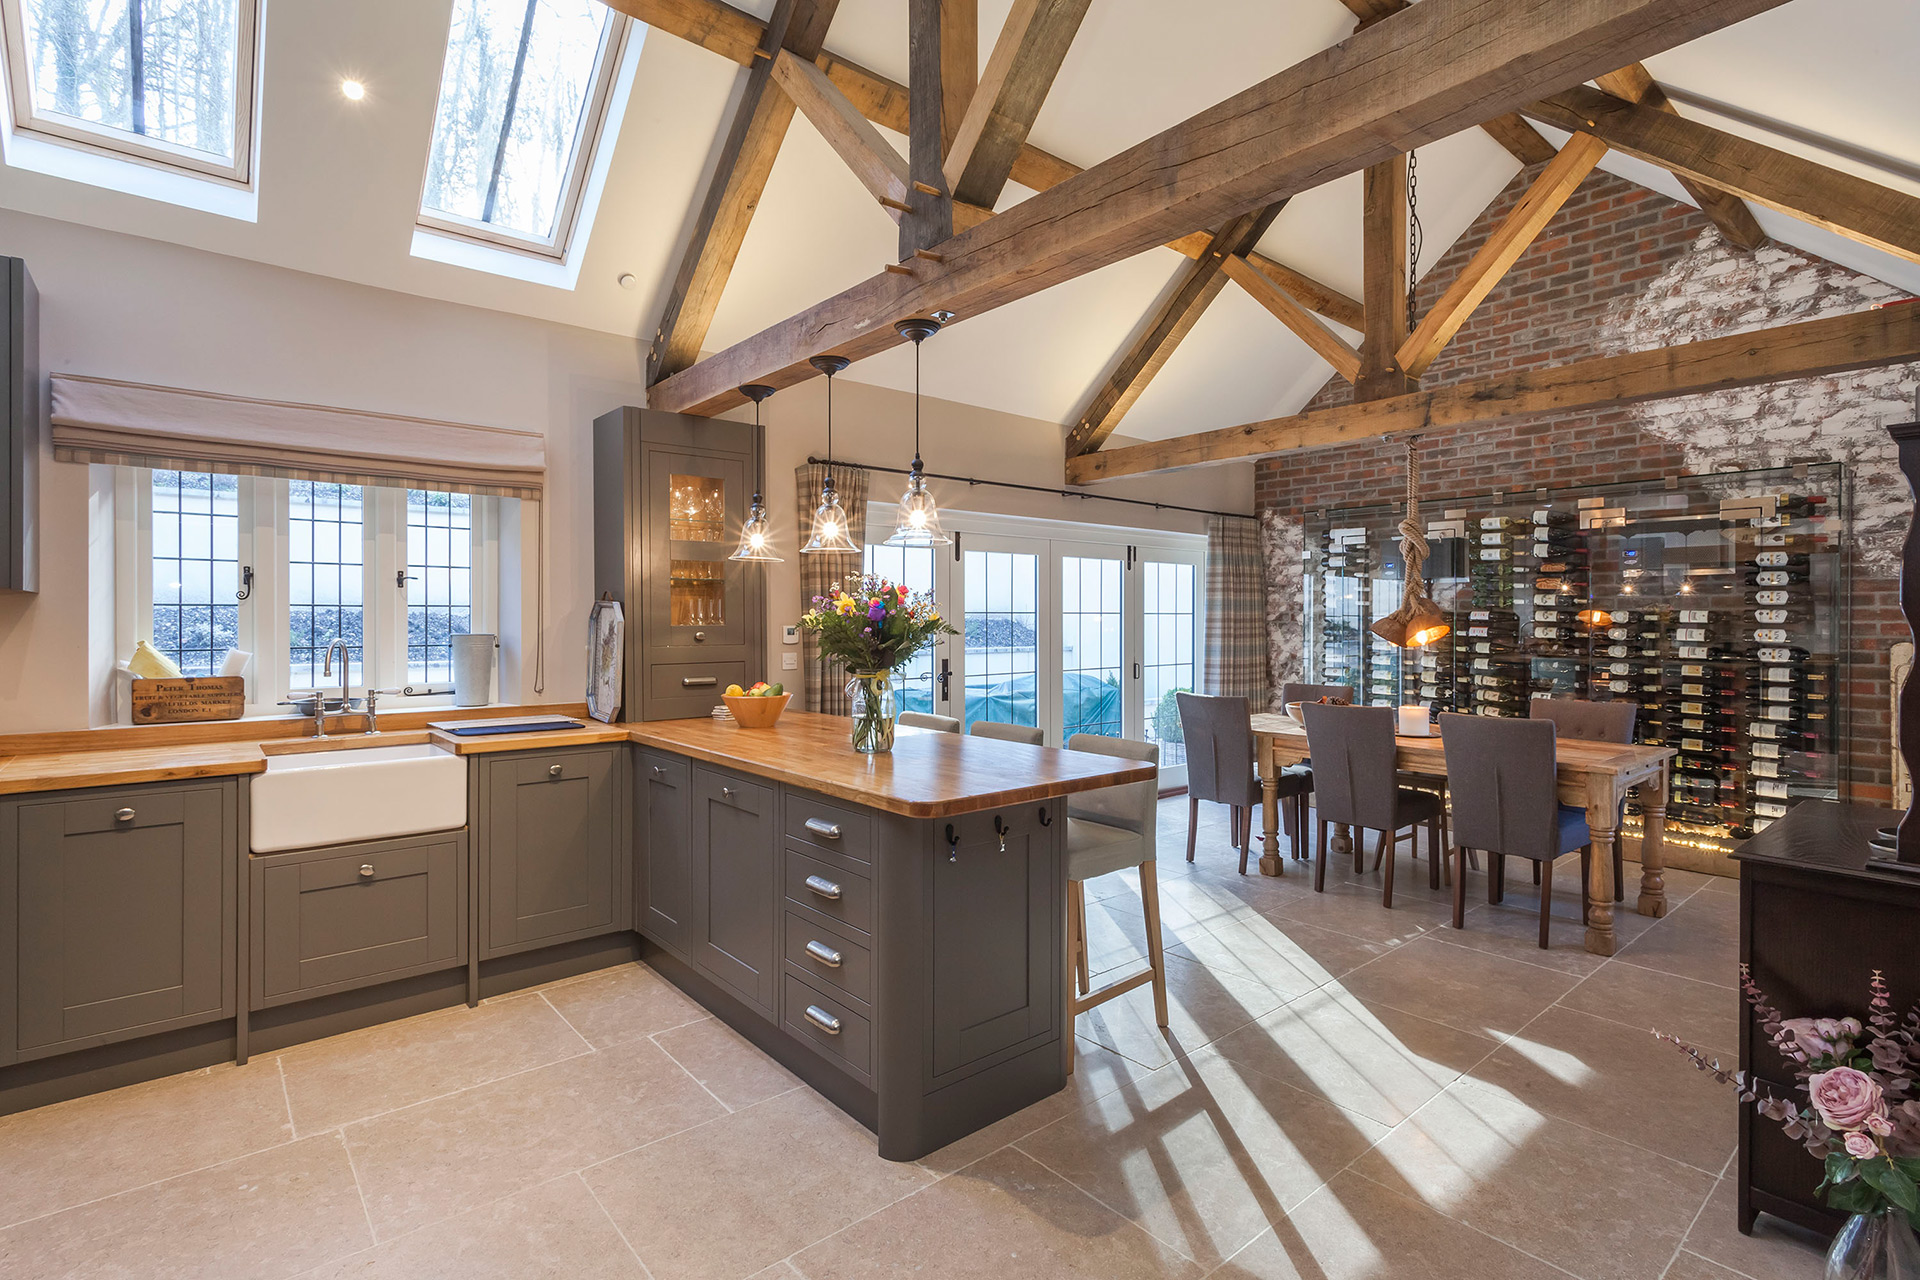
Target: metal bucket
[{"x": 473, "y": 670}]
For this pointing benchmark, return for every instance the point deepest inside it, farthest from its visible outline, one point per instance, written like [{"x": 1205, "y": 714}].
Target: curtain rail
[{"x": 1034, "y": 488}]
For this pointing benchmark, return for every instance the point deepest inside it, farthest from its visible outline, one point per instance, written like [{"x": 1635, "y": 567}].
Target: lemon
[{"x": 735, "y": 691}]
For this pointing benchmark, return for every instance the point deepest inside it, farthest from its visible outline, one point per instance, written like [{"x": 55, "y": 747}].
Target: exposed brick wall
[{"x": 1621, "y": 268}]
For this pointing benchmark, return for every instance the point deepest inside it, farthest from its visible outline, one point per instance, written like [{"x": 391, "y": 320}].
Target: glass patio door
[
  {"x": 1099, "y": 693},
  {"x": 1171, "y": 585},
  {"x": 1001, "y": 661}
]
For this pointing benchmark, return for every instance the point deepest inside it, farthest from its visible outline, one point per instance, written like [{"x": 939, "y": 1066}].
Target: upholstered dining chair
[
  {"x": 1355, "y": 781},
  {"x": 1593, "y": 722},
  {"x": 1218, "y": 732},
  {"x": 921, "y": 720},
  {"x": 1030, "y": 734},
  {"x": 1110, "y": 830},
  {"x": 1296, "y": 814}
]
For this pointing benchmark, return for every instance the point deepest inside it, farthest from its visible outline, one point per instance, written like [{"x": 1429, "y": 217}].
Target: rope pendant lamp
[
  {"x": 829, "y": 520},
  {"x": 919, "y": 522},
  {"x": 1418, "y": 620},
  {"x": 756, "y": 534}
]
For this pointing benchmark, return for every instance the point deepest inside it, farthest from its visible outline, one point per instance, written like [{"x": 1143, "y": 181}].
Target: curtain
[
  {"x": 1236, "y": 660},
  {"x": 130, "y": 424},
  {"x": 826, "y": 682}
]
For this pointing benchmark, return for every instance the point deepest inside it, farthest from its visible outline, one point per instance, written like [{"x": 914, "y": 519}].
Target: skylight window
[
  {"x": 522, "y": 100},
  {"x": 167, "y": 81}
]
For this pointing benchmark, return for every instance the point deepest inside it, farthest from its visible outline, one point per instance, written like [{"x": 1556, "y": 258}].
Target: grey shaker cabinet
[
  {"x": 736, "y": 852},
  {"x": 123, "y": 903},
  {"x": 663, "y": 865},
  {"x": 552, "y": 829}
]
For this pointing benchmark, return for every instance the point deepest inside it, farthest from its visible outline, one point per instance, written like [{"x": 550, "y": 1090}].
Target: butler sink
[{"x": 356, "y": 793}]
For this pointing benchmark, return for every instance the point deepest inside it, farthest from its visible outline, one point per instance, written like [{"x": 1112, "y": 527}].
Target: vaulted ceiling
[{"x": 340, "y": 182}]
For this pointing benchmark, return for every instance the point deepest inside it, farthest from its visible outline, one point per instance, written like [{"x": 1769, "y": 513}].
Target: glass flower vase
[
  {"x": 873, "y": 711},
  {"x": 1875, "y": 1246}
]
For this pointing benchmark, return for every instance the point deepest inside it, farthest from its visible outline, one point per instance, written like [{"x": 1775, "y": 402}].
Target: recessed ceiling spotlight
[
  {"x": 628, "y": 280},
  {"x": 353, "y": 90}
]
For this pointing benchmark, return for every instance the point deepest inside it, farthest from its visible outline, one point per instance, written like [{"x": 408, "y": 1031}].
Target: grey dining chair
[
  {"x": 921, "y": 720},
  {"x": 1218, "y": 732},
  {"x": 1110, "y": 830},
  {"x": 1355, "y": 781},
  {"x": 1505, "y": 777},
  {"x": 1593, "y": 722},
  {"x": 1030, "y": 734},
  {"x": 1296, "y": 814}
]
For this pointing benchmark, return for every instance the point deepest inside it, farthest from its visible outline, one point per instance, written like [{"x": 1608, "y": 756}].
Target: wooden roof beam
[
  {"x": 1736, "y": 222},
  {"x": 1032, "y": 45},
  {"x": 881, "y": 169},
  {"x": 1326, "y": 344}
]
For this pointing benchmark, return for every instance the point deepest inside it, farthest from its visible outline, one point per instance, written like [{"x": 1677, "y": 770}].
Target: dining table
[{"x": 1595, "y": 776}]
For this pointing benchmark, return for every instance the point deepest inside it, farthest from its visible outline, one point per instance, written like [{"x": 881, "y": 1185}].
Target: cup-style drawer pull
[
  {"x": 553, "y": 770},
  {"x": 366, "y": 869},
  {"x": 699, "y": 682},
  {"x": 822, "y": 1019},
  {"x": 123, "y": 815},
  {"x": 825, "y": 954},
  {"x": 823, "y": 886},
  {"x": 824, "y": 829}
]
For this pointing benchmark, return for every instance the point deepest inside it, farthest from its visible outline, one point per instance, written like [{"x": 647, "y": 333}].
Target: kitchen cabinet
[
  {"x": 23, "y": 408},
  {"x": 552, "y": 837},
  {"x": 736, "y": 848},
  {"x": 121, "y": 905},
  {"x": 663, "y": 861},
  {"x": 671, "y": 493}
]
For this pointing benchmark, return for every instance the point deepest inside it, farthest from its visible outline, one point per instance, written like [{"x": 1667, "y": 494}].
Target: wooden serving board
[{"x": 189, "y": 699}]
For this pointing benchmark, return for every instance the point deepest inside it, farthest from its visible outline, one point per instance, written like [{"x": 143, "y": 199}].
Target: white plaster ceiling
[{"x": 340, "y": 182}]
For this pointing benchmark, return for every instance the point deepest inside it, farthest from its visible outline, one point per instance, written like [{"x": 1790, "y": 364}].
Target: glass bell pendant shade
[
  {"x": 919, "y": 522},
  {"x": 755, "y": 536},
  {"x": 830, "y": 525}
]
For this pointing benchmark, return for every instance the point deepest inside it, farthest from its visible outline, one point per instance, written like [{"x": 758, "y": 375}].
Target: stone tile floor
[{"x": 1344, "y": 1093}]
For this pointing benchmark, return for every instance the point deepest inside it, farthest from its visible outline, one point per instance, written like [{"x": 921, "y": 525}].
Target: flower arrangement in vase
[
  {"x": 1860, "y": 1118},
  {"x": 870, "y": 626}
]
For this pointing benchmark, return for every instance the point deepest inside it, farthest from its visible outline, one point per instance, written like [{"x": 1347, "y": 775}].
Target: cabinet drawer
[
  {"x": 829, "y": 1025},
  {"x": 814, "y": 821},
  {"x": 337, "y": 919},
  {"x": 705, "y": 681},
  {"x": 825, "y": 956},
  {"x": 832, "y": 891}
]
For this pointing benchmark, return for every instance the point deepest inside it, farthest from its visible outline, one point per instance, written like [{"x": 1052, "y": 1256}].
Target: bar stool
[
  {"x": 1218, "y": 732},
  {"x": 921, "y": 720},
  {"x": 1356, "y": 782},
  {"x": 1592, "y": 722},
  {"x": 1110, "y": 830},
  {"x": 1030, "y": 734}
]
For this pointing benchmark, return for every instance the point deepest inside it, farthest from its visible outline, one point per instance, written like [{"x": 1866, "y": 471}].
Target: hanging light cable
[
  {"x": 755, "y": 535},
  {"x": 1418, "y": 620},
  {"x": 919, "y": 521},
  {"x": 829, "y": 520}
]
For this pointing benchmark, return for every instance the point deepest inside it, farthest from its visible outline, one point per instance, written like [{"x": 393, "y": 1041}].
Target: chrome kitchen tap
[{"x": 319, "y": 698}]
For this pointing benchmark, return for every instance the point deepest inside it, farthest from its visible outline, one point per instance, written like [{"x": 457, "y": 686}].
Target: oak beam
[
  {"x": 1634, "y": 83},
  {"x": 1032, "y": 45},
  {"x": 881, "y": 169},
  {"x": 753, "y": 141},
  {"x": 1304, "y": 289},
  {"x": 711, "y": 24},
  {"x": 1326, "y": 344},
  {"x": 1434, "y": 69},
  {"x": 1842, "y": 203},
  {"x": 1199, "y": 285},
  {"x": 1383, "y": 213},
  {"x": 930, "y": 218},
  {"x": 1504, "y": 246},
  {"x": 1810, "y": 349},
  {"x": 959, "y": 65}
]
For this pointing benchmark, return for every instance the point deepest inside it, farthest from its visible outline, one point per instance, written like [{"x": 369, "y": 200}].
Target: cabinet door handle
[
  {"x": 824, "y": 887},
  {"x": 825, "y": 954},
  {"x": 824, "y": 829},
  {"x": 698, "y": 682},
  {"x": 699, "y": 637},
  {"x": 553, "y": 770},
  {"x": 726, "y": 793},
  {"x": 658, "y": 771},
  {"x": 123, "y": 815},
  {"x": 366, "y": 869},
  {"x": 822, "y": 1019}
]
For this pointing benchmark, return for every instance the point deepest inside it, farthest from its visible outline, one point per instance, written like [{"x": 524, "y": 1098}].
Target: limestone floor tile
[
  {"x": 1701, "y": 1012},
  {"x": 1378, "y": 1061},
  {"x": 1096, "y": 1072},
  {"x": 1620, "y": 1082},
  {"x": 1480, "y": 1155},
  {"x": 778, "y": 1271},
  {"x": 735, "y": 1196},
  {"x": 1698, "y": 939},
  {"x": 1003, "y": 1218},
  {"x": 627, "y": 1002},
  {"x": 272, "y": 1214},
  {"x": 1691, "y": 1266},
  {"x": 1204, "y": 1153},
  {"x": 1777, "y": 1249},
  {"x": 554, "y": 1231},
  {"x": 1471, "y": 990},
  {"x": 1681, "y": 884},
  {"x": 451, "y": 1154},
  {"x": 1202, "y": 1005},
  {"x": 1354, "y": 1229},
  {"x": 363, "y": 1073},
  {"x": 1512, "y": 929},
  {"x": 59, "y": 1156},
  {"x": 726, "y": 1063},
  {"x": 1355, "y": 909},
  {"x": 1287, "y": 956}
]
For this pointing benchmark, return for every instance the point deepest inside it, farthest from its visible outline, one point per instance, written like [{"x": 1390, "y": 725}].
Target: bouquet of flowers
[{"x": 869, "y": 624}]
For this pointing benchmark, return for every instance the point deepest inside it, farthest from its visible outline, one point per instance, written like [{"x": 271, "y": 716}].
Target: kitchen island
[{"x": 889, "y": 927}]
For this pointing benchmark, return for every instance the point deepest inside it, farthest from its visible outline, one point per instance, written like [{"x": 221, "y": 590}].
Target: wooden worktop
[
  {"x": 62, "y": 770},
  {"x": 926, "y": 775}
]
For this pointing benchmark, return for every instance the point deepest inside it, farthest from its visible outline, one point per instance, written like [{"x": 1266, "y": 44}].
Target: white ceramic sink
[{"x": 356, "y": 793}]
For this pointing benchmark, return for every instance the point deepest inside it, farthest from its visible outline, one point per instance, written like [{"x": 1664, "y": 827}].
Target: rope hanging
[
  {"x": 1413, "y": 538},
  {"x": 1418, "y": 620}
]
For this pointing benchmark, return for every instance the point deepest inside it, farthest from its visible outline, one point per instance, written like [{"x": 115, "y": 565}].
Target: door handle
[
  {"x": 1136, "y": 671},
  {"x": 825, "y": 954},
  {"x": 822, "y": 1019},
  {"x": 945, "y": 677},
  {"x": 825, "y": 830},
  {"x": 366, "y": 870},
  {"x": 698, "y": 682},
  {"x": 824, "y": 887},
  {"x": 726, "y": 793},
  {"x": 554, "y": 770}
]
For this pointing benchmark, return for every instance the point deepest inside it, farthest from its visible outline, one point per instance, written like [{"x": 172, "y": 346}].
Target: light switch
[{"x": 789, "y": 662}]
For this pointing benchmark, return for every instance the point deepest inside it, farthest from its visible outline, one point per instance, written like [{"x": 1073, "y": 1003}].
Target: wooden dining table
[{"x": 1596, "y": 776}]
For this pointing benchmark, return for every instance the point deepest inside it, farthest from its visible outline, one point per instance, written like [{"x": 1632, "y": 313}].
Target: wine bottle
[{"x": 1773, "y": 577}]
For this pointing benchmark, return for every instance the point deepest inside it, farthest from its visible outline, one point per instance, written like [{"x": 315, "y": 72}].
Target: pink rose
[
  {"x": 1860, "y": 1146},
  {"x": 1879, "y": 1126},
  {"x": 1845, "y": 1098}
]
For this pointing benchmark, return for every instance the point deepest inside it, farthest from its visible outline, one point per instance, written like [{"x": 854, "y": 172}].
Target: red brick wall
[{"x": 1622, "y": 268}]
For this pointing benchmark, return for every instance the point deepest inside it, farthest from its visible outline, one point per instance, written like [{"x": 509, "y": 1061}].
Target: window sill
[{"x": 130, "y": 177}]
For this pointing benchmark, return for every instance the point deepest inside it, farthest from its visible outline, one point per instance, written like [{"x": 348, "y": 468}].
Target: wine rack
[{"x": 1714, "y": 603}]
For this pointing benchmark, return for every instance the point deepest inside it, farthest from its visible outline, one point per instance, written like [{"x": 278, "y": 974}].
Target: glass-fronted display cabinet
[{"x": 1715, "y": 603}]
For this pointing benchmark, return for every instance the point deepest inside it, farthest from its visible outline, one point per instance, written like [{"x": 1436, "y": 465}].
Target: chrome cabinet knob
[
  {"x": 726, "y": 793},
  {"x": 824, "y": 887},
  {"x": 123, "y": 815},
  {"x": 366, "y": 869},
  {"x": 822, "y": 1019},
  {"x": 553, "y": 770},
  {"x": 825, "y": 954},
  {"x": 699, "y": 637}
]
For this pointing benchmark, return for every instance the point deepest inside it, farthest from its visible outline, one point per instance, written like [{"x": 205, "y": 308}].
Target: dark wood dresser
[{"x": 1814, "y": 925}]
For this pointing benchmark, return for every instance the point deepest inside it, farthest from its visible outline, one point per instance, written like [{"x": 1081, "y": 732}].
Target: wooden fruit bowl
[{"x": 755, "y": 713}]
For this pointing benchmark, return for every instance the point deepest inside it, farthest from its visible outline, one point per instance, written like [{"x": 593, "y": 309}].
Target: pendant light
[
  {"x": 919, "y": 521},
  {"x": 1418, "y": 620},
  {"x": 829, "y": 521},
  {"x": 756, "y": 534}
]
